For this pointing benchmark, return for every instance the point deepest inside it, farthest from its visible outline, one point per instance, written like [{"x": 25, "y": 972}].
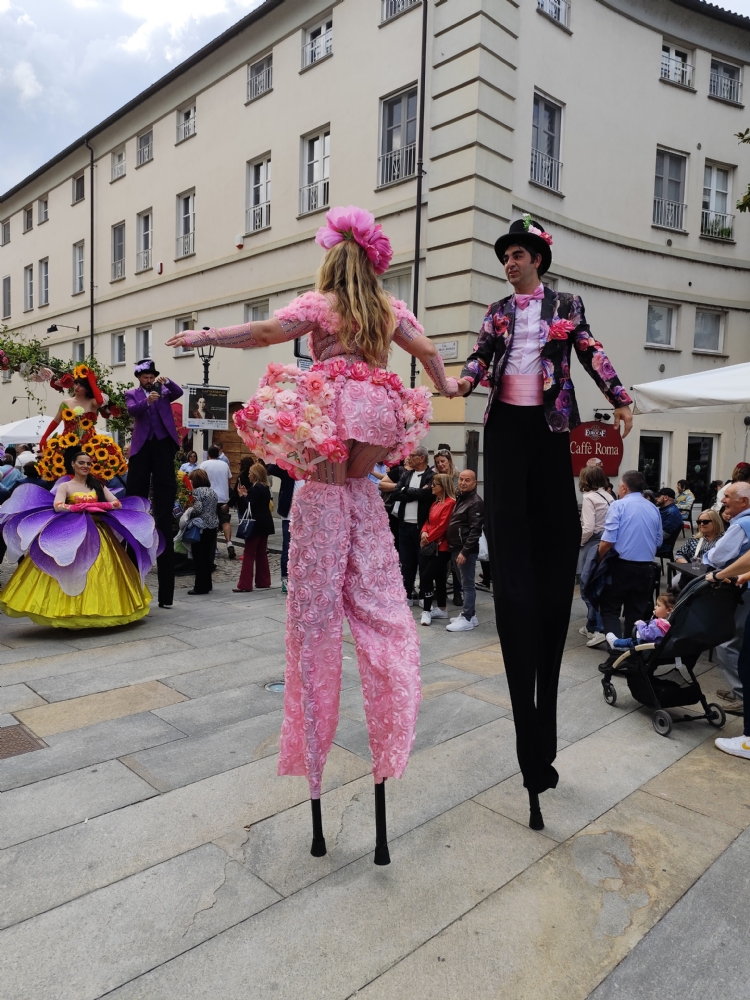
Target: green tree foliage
[{"x": 743, "y": 205}]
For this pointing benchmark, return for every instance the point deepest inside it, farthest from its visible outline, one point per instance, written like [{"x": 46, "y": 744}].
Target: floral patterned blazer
[{"x": 563, "y": 325}]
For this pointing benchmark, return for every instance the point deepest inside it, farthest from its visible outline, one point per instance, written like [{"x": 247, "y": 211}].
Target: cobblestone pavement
[{"x": 148, "y": 849}]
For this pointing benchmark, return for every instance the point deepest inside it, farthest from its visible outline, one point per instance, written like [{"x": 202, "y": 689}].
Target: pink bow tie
[{"x": 522, "y": 301}]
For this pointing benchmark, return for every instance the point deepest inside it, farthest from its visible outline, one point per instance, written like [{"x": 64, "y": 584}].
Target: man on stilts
[{"x": 523, "y": 355}]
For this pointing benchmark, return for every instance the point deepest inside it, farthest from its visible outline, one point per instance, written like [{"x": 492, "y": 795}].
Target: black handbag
[
  {"x": 429, "y": 550},
  {"x": 246, "y": 527}
]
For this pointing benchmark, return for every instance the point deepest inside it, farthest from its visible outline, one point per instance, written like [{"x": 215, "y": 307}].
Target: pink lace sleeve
[
  {"x": 408, "y": 329},
  {"x": 302, "y": 314},
  {"x": 223, "y": 336}
]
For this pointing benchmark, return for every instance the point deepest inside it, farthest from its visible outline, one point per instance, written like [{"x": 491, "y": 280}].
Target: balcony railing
[
  {"x": 313, "y": 196},
  {"x": 259, "y": 83},
  {"x": 676, "y": 71},
  {"x": 397, "y": 164},
  {"x": 143, "y": 260},
  {"x": 725, "y": 88},
  {"x": 145, "y": 153},
  {"x": 118, "y": 269},
  {"x": 558, "y": 10},
  {"x": 392, "y": 8},
  {"x": 186, "y": 129},
  {"x": 669, "y": 214},
  {"x": 118, "y": 169},
  {"x": 717, "y": 224},
  {"x": 185, "y": 245},
  {"x": 258, "y": 217},
  {"x": 317, "y": 48},
  {"x": 545, "y": 170}
]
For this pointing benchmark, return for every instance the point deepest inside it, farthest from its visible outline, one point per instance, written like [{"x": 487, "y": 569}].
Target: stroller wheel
[
  {"x": 716, "y": 715},
  {"x": 610, "y": 694},
  {"x": 662, "y": 722}
]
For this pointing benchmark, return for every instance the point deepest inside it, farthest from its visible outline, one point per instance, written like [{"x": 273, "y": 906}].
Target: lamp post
[
  {"x": 206, "y": 353},
  {"x": 53, "y": 328},
  {"x": 420, "y": 174}
]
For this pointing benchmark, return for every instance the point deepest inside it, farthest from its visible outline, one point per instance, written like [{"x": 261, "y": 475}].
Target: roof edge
[
  {"x": 715, "y": 12},
  {"x": 255, "y": 15}
]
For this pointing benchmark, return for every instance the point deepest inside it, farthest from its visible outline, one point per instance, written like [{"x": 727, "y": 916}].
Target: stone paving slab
[
  {"x": 90, "y": 946},
  {"x": 214, "y": 711},
  {"x": 247, "y": 668},
  {"x": 34, "y": 810},
  {"x": 14, "y": 697},
  {"x": 245, "y": 630},
  {"x": 79, "y": 748},
  {"x": 328, "y": 940}
]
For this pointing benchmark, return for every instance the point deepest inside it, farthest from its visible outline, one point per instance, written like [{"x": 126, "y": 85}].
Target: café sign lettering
[{"x": 596, "y": 440}]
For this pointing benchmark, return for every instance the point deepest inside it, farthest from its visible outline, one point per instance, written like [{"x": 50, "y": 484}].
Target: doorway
[
  {"x": 653, "y": 458},
  {"x": 700, "y": 463}
]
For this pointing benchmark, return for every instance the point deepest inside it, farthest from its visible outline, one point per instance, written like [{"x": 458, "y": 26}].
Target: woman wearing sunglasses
[{"x": 710, "y": 529}]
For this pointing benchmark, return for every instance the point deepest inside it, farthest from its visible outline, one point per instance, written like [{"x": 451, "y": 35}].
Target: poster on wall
[
  {"x": 596, "y": 440},
  {"x": 207, "y": 407}
]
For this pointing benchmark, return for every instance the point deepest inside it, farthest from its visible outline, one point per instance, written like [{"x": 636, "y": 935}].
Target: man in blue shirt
[
  {"x": 671, "y": 521},
  {"x": 634, "y": 530}
]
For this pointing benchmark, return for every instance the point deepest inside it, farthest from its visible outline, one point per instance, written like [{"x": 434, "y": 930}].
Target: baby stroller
[{"x": 662, "y": 676}]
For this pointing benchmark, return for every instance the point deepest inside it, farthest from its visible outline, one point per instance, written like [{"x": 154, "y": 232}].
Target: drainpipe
[
  {"x": 91, "y": 251},
  {"x": 420, "y": 172}
]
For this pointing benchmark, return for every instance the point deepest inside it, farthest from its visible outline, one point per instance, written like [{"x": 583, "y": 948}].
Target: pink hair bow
[{"x": 357, "y": 224}]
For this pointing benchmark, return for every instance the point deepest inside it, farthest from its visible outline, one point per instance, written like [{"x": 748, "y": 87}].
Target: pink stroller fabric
[{"x": 342, "y": 561}]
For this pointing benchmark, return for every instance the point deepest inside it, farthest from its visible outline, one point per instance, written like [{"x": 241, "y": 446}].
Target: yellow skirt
[{"x": 113, "y": 594}]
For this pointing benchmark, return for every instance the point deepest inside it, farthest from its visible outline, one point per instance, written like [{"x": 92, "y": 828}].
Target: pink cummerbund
[{"x": 521, "y": 390}]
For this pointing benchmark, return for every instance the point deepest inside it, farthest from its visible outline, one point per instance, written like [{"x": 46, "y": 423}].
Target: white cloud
[
  {"x": 174, "y": 17},
  {"x": 25, "y": 80}
]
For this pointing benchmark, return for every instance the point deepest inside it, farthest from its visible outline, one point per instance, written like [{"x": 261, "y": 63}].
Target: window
[
  {"x": 715, "y": 222},
  {"x": 398, "y": 283},
  {"x": 118, "y": 251},
  {"x": 4, "y": 232},
  {"x": 315, "y": 166},
  {"x": 258, "y": 211},
  {"x": 184, "y": 323},
  {"x": 709, "y": 331},
  {"x": 43, "y": 209},
  {"x": 143, "y": 342},
  {"x": 185, "y": 225},
  {"x": 6, "y": 296},
  {"x": 398, "y": 145},
  {"x": 675, "y": 67},
  {"x": 28, "y": 219},
  {"x": 318, "y": 42},
  {"x": 660, "y": 325},
  {"x": 185, "y": 123},
  {"x": 726, "y": 82},
  {"x": 145, "y": 241},
  {"x": 558, "y": 10},
  {"x": 392, "y": 8},
  {"x": 259, "y": 78},
  {"x": 256, "y": 311},
  {"x": 118, "y": 164},
  {"x": 77, "y": 268},
  {"x": 669, "y": 187},
  {"x": 79, "y": 351},
  {"x": 145, "y": 147},
  {"x": 28, "y": 288},
  {"x": 79, "y": 188},
  {"x": 546, "y": 168},
  {"x": 118, "y": 348},
  {"x": 44, "y": 282}
]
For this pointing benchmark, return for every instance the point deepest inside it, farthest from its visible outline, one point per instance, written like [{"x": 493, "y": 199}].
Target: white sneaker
[
  {"x": 462, "y": 625},
  {"x": 420, "y": 602},
  {"x": 597, "y": 639},
  {"x": 738, "y": 746},
  {"x": 584, "y": 631},
  {"x": 437, "y": 613},
  {"x": 426, "y": 618},
  {"x": 610, "y": 637},
  {"x": 456, "y": 618}
]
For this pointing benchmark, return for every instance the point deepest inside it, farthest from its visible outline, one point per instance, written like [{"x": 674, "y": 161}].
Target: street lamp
[
  {"x": 53, "y": 328},
  {"x": 205, "y": 354}
]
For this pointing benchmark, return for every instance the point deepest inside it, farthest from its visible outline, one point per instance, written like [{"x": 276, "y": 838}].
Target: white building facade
[{"x": 611, "y": 121}]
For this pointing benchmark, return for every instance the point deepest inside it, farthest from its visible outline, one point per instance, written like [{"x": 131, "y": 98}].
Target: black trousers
[
  {"x": 533, "y": 536},
  {"x": 203, "y": 560},
  {"x": 631, "y": 591},
  {"x": 433, "y": 578},
  {"x": 408, "y": 553},
  {"x": 151, "y": 471}
]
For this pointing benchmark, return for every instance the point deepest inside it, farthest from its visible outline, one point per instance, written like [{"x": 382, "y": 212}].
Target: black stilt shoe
[
  {"x": 536, "y": 820},
  {"x": 382, "y": 855},
  {"x": 318, "y": 848}
]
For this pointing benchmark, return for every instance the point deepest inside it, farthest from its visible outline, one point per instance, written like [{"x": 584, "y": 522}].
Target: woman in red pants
[{"x": 258, "y": 497}]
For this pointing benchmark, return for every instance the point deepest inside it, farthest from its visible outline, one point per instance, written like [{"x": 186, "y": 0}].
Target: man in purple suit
[{"x": 151, "y": 463}]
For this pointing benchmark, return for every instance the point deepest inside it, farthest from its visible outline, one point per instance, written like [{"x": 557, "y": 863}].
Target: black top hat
[
  {"x": 145, "y": 367},
  {"x": 521, "y": 234}
]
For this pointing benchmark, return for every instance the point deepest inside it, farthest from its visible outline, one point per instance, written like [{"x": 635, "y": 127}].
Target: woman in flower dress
[{"x": 330, "y": 426}]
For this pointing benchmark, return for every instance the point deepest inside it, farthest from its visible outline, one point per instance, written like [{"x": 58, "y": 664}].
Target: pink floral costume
[{"x": 330, "y": 427}]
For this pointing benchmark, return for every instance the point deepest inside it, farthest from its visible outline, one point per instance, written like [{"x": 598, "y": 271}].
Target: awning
[{"x": 719, "y": 389}]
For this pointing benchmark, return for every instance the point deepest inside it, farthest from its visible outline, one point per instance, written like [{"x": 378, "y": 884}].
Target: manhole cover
[
  {"x": 15, "y": 740},
  {"x": 276, "y": 686}
]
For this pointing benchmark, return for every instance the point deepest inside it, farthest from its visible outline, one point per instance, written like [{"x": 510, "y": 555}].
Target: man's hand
[
  {"x": 152, "y": 397},
  {"x": 460, "y": 559},
  {"x": 160, "y": 380},
  {"x": 623, "y": 415},
  {"x": 464, "y": 386}
]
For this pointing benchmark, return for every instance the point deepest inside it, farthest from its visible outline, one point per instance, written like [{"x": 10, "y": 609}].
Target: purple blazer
[{"x": 157, "y": 417}]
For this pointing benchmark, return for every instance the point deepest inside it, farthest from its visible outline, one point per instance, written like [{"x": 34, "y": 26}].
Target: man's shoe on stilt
[
  {"x": 596, "y": 639},
  {"x": 738, "y": 746},
  {"x": 461, "y": 625},
  {"x": 426, "y": 618}
]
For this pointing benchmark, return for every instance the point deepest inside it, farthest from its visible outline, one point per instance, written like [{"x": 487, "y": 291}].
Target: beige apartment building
[{"x": 611, "y": 121}]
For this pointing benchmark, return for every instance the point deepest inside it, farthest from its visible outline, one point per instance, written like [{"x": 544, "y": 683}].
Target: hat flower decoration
[
  {"x": 352, "y": 223},
  {"x": 531, "y": 228}
]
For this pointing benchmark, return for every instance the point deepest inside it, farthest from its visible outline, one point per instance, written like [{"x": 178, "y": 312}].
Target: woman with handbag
[
  {"x": 255, "y": 527},
  {"x": 201, "y": 530},
  {"x": 434, "y": 554},
  {"x": 592, "y": 484}
]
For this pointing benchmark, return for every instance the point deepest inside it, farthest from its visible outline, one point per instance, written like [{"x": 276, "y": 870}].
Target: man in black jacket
[
  {"x": 413, "y": 499},
  {"x": 284, "y": 510},
  {"x": 464, "y": 532}
]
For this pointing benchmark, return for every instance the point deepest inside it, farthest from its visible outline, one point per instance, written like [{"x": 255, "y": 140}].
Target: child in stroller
[
  {"x": 662, "y": 675},
  {"x": 653, "y": 631}
]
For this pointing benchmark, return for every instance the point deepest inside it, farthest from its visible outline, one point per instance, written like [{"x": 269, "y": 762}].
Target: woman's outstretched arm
[
  {"x": 423, "y": 349},
  {"x": 258, "y": 334}
]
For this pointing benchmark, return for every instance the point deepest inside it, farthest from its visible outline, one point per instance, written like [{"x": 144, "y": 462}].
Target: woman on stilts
[
  {"x": 523, "y": 355},
  {"x": 330, "y": 426}
]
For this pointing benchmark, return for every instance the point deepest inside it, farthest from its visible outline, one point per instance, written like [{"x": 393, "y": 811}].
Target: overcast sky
[{"x": 65, "y": 65}]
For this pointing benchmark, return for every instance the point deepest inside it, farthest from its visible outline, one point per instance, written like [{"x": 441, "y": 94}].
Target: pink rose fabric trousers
[{"x": 342, "y": 561}]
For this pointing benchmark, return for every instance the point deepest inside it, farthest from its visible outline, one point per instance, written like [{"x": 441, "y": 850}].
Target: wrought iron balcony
[
  {"x": 118, "y": 169},
  {"x": 259, "y": 83},
  {"x": 676, "y": 71},
  {"x": 143, "y": 260},
  {"x": 725, "y": 87},
  {"x": 145, "y": 153},
  {"x": 397, "y": 164},
  {"x": 186, "y": 128},
  {"x": 545, "y": 170},
  {"x": 392, "y": 8},
  {"x": 313, "y": 196},
  {"x": 669, "y": 214},
  {"x": 717, "y": 225},
  {"x": 317, "y": 48},
  {"x": 185, "y": 245},
  {"x": 258, "y": 217},
  {"x": 118, "y": 269},
  {"x": 558, "y": 10}
]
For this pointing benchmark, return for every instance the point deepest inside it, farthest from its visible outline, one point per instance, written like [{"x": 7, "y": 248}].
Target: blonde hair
[
  {"x": 715, "y": 517},
  {"x": 444, "y": 453},
  {"x": 364, "y": 310},
  {"x": 446, "y": 481},
  {"x": 257, "y": 474}
]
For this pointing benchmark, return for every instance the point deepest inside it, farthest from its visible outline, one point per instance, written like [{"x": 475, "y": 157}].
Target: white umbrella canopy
[
  {"x": 26, "y": 431},
  {"x": 725, "y": 389}
]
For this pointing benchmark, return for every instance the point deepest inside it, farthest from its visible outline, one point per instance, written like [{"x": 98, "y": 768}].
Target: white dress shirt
[{"x": 525, "y": 352}]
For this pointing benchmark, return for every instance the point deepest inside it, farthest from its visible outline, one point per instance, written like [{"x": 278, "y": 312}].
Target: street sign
[{"x": 596, "y": 440}]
